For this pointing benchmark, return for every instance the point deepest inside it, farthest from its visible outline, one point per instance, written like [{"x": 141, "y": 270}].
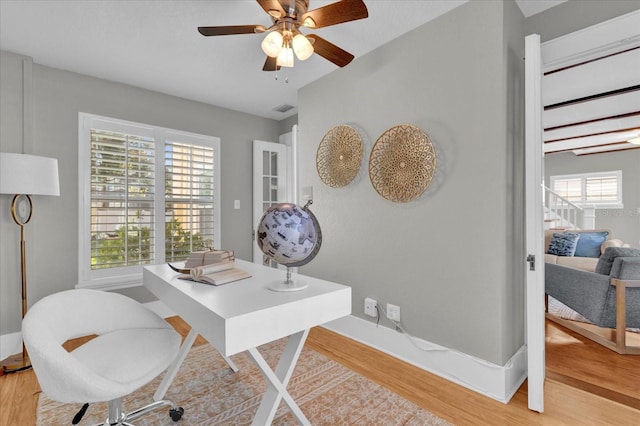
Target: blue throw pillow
[
  {"x": 589, "y": 243},
  {"x": 563, "y": 244}
]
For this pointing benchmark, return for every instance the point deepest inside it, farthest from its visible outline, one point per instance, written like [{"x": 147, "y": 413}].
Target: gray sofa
[{"x": 592, "y": 294}]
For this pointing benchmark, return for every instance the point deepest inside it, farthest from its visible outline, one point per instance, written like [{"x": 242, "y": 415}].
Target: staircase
[{"x": 562, "y": 213}]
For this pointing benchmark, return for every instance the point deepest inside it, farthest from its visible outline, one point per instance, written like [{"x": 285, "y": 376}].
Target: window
[
  {"x": 600, "y": 190},
  {"x": 148, "y": 195}
]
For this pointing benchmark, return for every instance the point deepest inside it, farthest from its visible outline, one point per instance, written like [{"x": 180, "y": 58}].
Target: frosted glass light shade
[
  {"x": 28, "y": 174},
  {"x": 285, "y": 57},
  {"x": 302, "y": 47},
  {"x": 272, "y": 44}
]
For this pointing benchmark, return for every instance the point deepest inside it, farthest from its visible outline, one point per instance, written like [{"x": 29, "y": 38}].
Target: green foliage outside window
[{"x": 134, "y": 245}]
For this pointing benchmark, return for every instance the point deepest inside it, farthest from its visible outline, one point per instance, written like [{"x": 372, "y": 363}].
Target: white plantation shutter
[
  {"x": 569, "y": 188},
  {"x": 189, "y": 199},
  {"x": 122, "y": 191},
  {"x": 148, "y": 195},
  {"x": 602, "y": 189}
]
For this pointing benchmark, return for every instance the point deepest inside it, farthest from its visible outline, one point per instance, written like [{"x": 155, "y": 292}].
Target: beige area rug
[
  {"x": 211, "y": 394},
  {"x": 561, "y": 310}
]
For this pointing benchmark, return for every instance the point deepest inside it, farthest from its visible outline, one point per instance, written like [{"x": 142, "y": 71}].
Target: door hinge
[{"x": 532, "y": 262}]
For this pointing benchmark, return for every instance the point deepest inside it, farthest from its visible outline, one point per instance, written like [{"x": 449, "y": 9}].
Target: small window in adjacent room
[
  {"x": 148, "y": 195},
  {"x": 600, "y": 190}
]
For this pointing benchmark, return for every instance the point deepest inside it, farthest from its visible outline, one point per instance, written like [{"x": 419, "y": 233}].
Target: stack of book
[
  {"x": 208, "y": 257},
  {"x": 213, "y": 267}
]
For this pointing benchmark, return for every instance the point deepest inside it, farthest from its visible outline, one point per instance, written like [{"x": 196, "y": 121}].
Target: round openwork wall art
[
  {"x": 339, "y": 156},
  {"x": 402, "y": 163}
]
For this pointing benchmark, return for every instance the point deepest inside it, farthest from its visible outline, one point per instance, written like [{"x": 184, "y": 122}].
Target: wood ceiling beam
[
  {"x": 611, "y": 132},
  {"x": 591, "y": 60},
  {"x": 611, "y": 117},
  {"x": 603, "y": 95},
  {"x": 612, "y": 150},
  {"x": 587, "y": 147}
]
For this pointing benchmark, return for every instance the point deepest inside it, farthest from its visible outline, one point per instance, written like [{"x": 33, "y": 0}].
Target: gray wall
[
  {"x": 446, "y": 259},
  {"x": 52, "y": 236},
  {"x": 286, "y": 124},
  {"x": 624, "y": 223}
]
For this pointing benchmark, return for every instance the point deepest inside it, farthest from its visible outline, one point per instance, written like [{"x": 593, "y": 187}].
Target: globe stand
[{"x": 288, "y": 284}]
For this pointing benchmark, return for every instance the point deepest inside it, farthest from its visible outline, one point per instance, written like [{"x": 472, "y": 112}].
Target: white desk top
[{"x": 244, "y": 314}]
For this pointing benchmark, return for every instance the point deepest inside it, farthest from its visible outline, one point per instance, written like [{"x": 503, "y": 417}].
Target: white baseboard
[
  {"x": 495, "y": 381},
  {"x": 10, "y": 344}
]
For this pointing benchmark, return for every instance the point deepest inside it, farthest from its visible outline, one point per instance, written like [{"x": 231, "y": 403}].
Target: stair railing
[{"x": 567, "y": 214}]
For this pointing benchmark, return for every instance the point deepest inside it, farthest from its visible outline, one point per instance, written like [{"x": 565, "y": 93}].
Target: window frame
[
  {"x": 583, "y": 177},
  {"x": 131, "y": 276}
]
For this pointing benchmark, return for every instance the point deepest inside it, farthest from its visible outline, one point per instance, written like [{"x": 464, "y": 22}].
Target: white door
[
  {"x": 290, "y": 139},
  {"x": 270, "y": 179},
  {"x": 535, "y": 333}
]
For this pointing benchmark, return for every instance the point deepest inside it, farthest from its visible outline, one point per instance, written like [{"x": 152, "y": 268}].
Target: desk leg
[
  {"x": 277, "y": 381},
  {"x": 230, "y": 363},
  {"x": 173, "y": 369},
  {"x": 182, "y": 354}
]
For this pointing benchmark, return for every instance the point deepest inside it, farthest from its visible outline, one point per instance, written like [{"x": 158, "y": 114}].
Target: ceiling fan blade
[
  {"x": 330, "y": 51},
  {"x": 335, "y": 13},
  {"x": 270, "y": 64},
  {"x": 273, "y": 8},
  {"x": 231, "y": 30}
]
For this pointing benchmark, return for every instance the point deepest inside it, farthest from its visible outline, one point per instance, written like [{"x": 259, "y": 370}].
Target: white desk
[{"x": 243, "y": 315}]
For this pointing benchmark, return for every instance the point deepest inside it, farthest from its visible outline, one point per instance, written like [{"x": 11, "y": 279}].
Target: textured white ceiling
[{"x": 155, "y": 44}]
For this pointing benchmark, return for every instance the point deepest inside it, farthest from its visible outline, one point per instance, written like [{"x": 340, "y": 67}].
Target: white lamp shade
[
  {"x": 302, "y": 47},
  {"x": 285, "y": 57},
  {"x": 272, "y": 44},
  {"x": 28, "y": 174}
]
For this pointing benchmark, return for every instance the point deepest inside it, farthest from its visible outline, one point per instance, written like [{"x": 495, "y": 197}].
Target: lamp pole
[
  {"x": 21, "y": 211},
  {"x": 24, "y": 175}
]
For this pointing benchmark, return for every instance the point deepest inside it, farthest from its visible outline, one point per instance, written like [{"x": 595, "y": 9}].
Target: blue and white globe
[{"x": 289, "y": 234}]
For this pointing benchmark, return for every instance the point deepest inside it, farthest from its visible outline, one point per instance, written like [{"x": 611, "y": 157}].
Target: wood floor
[{"x": 586, "y": 384}]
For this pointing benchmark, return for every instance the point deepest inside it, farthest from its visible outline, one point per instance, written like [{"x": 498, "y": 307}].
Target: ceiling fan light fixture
[
  {"x": 302, "y": 47},
  {"x": 285, "y": 57},
  {"x": 272, "y": 44},
  {"x": 635, "y": 141}
]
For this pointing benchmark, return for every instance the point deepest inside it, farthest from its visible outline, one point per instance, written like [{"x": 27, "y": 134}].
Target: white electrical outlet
[
  {"x": 393, "y": 312},
  {"x": 370, "y": 307}
]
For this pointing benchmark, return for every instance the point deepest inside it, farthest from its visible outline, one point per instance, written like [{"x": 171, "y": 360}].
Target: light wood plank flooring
[{"x": 586, "y": 384}]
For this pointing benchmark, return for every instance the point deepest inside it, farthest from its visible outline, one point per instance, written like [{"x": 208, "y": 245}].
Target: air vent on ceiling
[{"x": 283, "y": 108}]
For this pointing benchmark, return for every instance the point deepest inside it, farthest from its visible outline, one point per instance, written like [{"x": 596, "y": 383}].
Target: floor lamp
[{"x": 25, "y": 175}]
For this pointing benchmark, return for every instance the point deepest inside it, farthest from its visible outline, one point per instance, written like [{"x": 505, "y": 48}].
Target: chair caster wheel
[{"x": 176, "y": 413}]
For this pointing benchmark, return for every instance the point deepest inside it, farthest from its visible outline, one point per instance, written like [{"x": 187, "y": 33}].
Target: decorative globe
[{"x": 289, "y": 234}]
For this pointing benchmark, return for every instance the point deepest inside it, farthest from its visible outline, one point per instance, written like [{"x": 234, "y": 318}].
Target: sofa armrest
[
  {"x": 626, "y": 268},
  {"x": 583, "y": 291},
  {"x": 622, "y": 313}
]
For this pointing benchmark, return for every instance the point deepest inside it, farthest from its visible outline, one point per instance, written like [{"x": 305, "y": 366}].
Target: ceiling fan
[{"x": 284, "y": 37}]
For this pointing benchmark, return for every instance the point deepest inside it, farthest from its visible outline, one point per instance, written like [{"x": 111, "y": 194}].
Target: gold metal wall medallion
[
  {"x": 339, "y": 156},
  {"x": 402, "y": 163}
]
